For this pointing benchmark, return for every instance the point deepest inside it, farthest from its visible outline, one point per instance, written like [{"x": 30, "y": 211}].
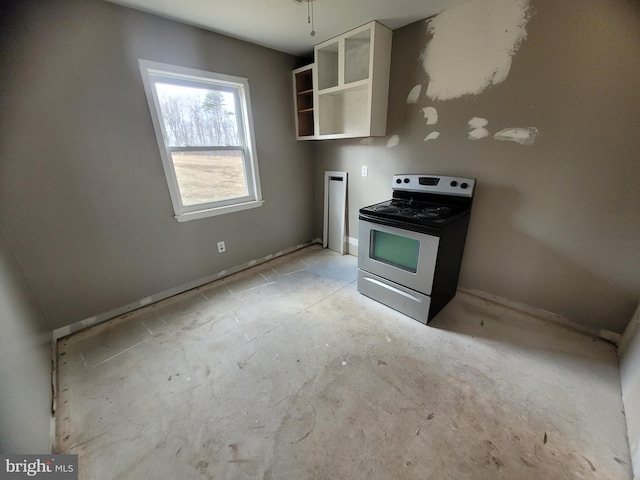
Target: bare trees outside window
[{"x": 197, "y": 116}]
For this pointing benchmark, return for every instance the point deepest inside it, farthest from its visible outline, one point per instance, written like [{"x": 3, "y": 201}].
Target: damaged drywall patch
[
  {"x": 471, "y": 48},
  {"x": 430, "y": 115},
  {"x": 477, "y": 124},
  {"x": 478, "y": 133},
  {"x": 414, "y": 94},
  {"x": 394, "y": 141},
  {"x": 472, "y": 45},
  {"x": 432, "y": 136},
  {"x": 523, "y": 136}
]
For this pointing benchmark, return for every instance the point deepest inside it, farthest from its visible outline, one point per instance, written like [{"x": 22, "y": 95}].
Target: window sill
[{"x": 211, "y": 212}]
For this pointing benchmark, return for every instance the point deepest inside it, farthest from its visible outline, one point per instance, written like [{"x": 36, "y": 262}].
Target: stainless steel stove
[{"x": 411, "y": 246}]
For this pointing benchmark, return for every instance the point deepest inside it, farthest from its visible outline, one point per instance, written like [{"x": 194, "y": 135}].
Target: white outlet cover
[{"x": 365, "y": 170}]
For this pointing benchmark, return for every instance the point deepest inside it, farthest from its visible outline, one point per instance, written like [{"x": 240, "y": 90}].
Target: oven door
[{"x": 402, "y": 256}]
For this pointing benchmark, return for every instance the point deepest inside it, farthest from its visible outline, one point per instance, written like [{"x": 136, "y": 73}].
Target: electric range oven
[{"x": 410, "y": 247}]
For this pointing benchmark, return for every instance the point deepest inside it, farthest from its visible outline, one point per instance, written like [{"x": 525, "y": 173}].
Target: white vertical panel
[
  {"x": 336, "y": 199},
  {"x": 335, "y": 208}
]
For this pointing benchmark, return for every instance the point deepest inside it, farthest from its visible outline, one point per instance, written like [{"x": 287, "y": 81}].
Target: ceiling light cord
[{"x": 310, "y": 16}]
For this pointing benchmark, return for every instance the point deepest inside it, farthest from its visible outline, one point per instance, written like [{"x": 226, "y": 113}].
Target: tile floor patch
[
  {"x": 153, "y": 322},
  {"x": 109, "y": 343},
  {"x": 290, "y": 267},
  {"x": 247, "y": 282},
  {"x": 287, "y": 375}
]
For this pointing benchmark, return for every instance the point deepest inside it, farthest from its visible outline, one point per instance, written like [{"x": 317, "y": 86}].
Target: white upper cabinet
[{"x": 351, "y": 83}]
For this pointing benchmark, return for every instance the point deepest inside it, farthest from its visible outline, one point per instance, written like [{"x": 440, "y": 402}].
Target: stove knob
[
  {"x": 398, "y": 180},
  {"x": 463, "y": 185},
  {"x": 453, "y": 183},
  {"x": 406, "y": 180}
]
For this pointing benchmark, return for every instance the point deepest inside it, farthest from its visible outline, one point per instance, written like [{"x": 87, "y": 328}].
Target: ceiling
[{"x": 283, "y": 24}]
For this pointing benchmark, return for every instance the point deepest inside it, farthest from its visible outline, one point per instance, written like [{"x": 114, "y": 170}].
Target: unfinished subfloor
[{"x": 284, "y": 371}]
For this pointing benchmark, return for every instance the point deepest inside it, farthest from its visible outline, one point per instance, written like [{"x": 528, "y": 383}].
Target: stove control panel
[{"x": 439, "y": 184}]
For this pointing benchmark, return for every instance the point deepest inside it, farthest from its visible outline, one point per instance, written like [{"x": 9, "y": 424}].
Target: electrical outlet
[
  {"x": 365, "y": 170},
  {"x": 221, "y": 247}
]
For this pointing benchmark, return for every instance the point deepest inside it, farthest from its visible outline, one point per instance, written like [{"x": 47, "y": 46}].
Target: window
[
  {"x": 204, "y": 130},
  {"x": 401, "y": 252}
]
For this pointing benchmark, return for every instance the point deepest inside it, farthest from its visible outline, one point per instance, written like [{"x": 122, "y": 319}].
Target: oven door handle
[{"x": 393, "y": 289}]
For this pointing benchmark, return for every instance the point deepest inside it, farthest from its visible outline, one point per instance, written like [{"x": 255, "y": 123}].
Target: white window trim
[{"x": 185, "y": 213}]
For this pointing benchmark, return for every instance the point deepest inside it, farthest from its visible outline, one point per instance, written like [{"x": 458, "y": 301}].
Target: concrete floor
[{"x": 284, "y": 371}]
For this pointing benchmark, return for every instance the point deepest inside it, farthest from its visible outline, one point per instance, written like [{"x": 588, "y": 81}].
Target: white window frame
[{"x": 177, "y": 74}]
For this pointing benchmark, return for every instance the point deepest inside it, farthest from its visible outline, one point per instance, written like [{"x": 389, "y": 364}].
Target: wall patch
[
  {"x": 414, "y": 94},
  {"x": 472, "y": 45},
  {"x": 523, "y": 136},
  {"x": 393, "y": 141},
  {"x": 477, "y": 124},
  {"x": 431, "y": 115},
  {"x": 432, "y": 136}
]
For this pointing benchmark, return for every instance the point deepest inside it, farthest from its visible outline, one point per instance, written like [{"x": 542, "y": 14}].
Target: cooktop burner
[
  {"x": 424, "y": 201},
  {"x": 434, "y": 212},
  {"x": 386, "y": 209},
  {"x": 410, "y": 209}
]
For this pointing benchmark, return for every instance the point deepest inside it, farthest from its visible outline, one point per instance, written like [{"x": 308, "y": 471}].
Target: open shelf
[
  {"x": 305, "y": 123},
  {"x": 344, "y": 94},
  {"x": 304, "y": 107},
  {"x": 344, "y": 111},
  {"x": 352, "y": 83}
]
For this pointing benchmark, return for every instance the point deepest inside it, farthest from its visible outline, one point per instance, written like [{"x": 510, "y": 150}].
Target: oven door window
[{"x": 395, "y": 250}]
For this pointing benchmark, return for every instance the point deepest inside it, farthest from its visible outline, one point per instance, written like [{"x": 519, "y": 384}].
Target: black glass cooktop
[{"x": 429, "y": 217}]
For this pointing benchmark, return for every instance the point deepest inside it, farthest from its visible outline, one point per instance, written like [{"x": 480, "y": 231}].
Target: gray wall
[
  {"x": 630, "y": 381},
  {"x": 554, "y": 225},
  {"x": 25, "y": 363},
  {"x": 83, "y": 198}
]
